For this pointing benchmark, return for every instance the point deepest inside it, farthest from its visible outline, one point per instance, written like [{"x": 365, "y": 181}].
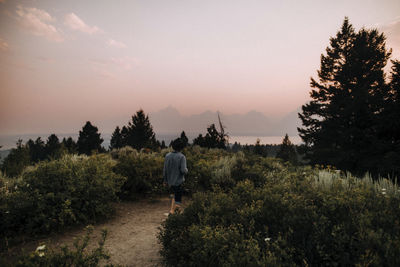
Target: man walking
[{"x": 174, "y": 171}]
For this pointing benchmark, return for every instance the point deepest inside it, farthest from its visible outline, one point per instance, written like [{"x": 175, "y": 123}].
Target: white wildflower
[
  {"x": 42, "y": 247},
  {"x": 41, "y": 254},
  {"x": 267, "y": 239}
]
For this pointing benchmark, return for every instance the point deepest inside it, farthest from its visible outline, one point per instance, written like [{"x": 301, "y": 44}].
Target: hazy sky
[{"x": 65, "y": 62}]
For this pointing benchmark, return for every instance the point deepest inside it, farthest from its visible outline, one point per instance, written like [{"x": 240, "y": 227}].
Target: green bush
[
  {"x": 143, "y": 170},
  {"x": 54, "y": 194},
  {"x": 290, "y": 220},
  {"x": 78, "y": 256}
]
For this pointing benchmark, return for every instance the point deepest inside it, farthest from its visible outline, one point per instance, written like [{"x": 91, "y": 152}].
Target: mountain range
[{"x": 170, "y": 121}]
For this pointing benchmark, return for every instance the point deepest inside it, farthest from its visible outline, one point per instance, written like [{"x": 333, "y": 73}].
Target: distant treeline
[{"x": 138, "y": 134}]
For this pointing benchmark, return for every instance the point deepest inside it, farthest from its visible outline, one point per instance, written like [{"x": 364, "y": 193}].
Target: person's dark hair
[{"x": 177, "y": 144}]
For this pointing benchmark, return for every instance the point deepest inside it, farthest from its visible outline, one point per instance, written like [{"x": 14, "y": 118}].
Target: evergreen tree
[
  {"x": 287, "y": 151},
  {"x": 70, "y": 145},
  {"x": 116, "y": 139},
  {"x": 53, "y": 147},
  {"x": 140, "y": 132},
  {"x": 213, "y": 139},
  {"x": 37, "y": 149},
  {"x": 163, "y": 144},
  {"x": 17, "y": 160},
  {"x": 184, "y": 139},
  {"x": 390, "y": 126},
  {"x": 124, "y": 136},
  {"x": 260, "y": 149},
  {"x": 340, "y": 122},
  {"x": 89, "y": 140}
]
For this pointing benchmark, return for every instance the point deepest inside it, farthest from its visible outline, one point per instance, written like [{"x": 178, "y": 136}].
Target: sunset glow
[{"x": 65, "y": 62}]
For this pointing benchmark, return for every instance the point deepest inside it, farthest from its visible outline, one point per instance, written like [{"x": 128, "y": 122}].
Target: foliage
[
  {"x": 70, "y": 145},
  {"x": 58, "y": 193},
  {"x": 350, "y": 104},
  {"x": 184, "y": 139},
  {"x": 288, "y": 220},
  {"x": 53, "y": 147},
  {"x": 143, "y": 171},
  {"x": 89, "y": 140},
  {"x": 287, "y": 151},
  {"x": 116, "y": 139},
  {"x": 78, "y": 256},
  {"x": 213, "y": 138},
  {"x": 17, "y": 160},
  {"x": 140, "y": 132}
]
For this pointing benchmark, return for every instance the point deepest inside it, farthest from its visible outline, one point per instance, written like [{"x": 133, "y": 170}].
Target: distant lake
[{"x": 9, "y": 141}]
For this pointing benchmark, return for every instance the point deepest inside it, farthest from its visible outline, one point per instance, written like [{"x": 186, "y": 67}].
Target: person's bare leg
[{"x": 172, "y": 210}]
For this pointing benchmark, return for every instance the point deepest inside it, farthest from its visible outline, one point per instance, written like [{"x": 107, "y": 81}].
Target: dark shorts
[{"x": 177, "y": 189}]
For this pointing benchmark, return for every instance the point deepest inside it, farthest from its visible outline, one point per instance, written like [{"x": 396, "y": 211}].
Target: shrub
[
  {"x": 290, "y": 220},
  {"x": 78, "y": 256},
  {"x": 143, "y": 171},
  {"x": 54, "y": 194}
]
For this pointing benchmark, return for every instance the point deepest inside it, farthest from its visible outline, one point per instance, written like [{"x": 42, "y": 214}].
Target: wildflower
[
  {"x": 7, "y": 212},
  {"x": 267, "y": 239},
  {"x": 42, "y": 247}
]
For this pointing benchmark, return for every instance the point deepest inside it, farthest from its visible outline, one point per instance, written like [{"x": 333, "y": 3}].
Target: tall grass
[{"x": 328, "y": 178}]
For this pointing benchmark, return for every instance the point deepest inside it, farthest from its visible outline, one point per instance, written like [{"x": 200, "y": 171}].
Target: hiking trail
[{"x": 132, "y": 234}]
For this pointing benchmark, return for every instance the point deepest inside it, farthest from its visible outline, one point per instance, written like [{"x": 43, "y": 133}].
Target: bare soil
[{"x": 132, "y": 234}]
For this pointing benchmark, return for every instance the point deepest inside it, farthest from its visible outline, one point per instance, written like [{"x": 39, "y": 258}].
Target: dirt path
[{"x": 132, "y": 234}]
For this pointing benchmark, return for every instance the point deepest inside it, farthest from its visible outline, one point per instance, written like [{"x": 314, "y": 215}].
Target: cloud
[
  {"x": 3, "y": 45},
  {"x": 37, "y": 22},
  {"x": 116, "y": 44},
  {"x": 75, "y": 23}
]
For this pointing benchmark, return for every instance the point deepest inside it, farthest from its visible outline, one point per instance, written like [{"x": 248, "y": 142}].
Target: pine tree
[
  {"x": 37, "y": 149},
  {"x": 89, "y": 140},
  {"x": 140, "y": 132},
  {"x": 116, "y": 139},
  {"x": 287, "y": 151},
  {"x": 212, "y": 139},
  {"x": 16, "y": 160},
  {"x": 340, "y": 122},
  {"x": 53, "y": 147},
  {"x": 70, "y": 145},
  {"x": 184, "y": 139}
]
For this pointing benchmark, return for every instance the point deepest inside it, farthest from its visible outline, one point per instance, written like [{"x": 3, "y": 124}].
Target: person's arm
[{"x": 183, "y": 168}]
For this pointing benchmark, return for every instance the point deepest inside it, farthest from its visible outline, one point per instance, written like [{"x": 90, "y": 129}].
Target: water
[{"x": 9, "y": 141}]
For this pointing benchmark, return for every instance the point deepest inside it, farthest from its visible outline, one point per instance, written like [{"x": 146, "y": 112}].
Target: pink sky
[{"x": 65, "y": 62}]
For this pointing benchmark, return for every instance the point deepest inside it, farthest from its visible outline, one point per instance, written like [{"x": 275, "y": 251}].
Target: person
[{"x": 174, "y": 171}]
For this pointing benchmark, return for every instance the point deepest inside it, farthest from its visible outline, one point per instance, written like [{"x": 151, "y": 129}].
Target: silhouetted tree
[
  {"x": 140, "y": 132},
  {"x": 389, "y": 129},
  {"x": 37, "y": 149},
  {"x": 287, "y": 151},
  {"x": 53, "y": 147},
  {"x": 116, "y": 139},
  {"x": 89, "y": 140},
  {"x": 185, "y": 140},
  {"x": 260, "y": 149},
  {"x": 340, "y": 122},
  {"x": 163, "y": 144},
  {"x": 70, "y": 145},
  {"x": 16, "y": 160},
  {"x": 213, "y": 139}
]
